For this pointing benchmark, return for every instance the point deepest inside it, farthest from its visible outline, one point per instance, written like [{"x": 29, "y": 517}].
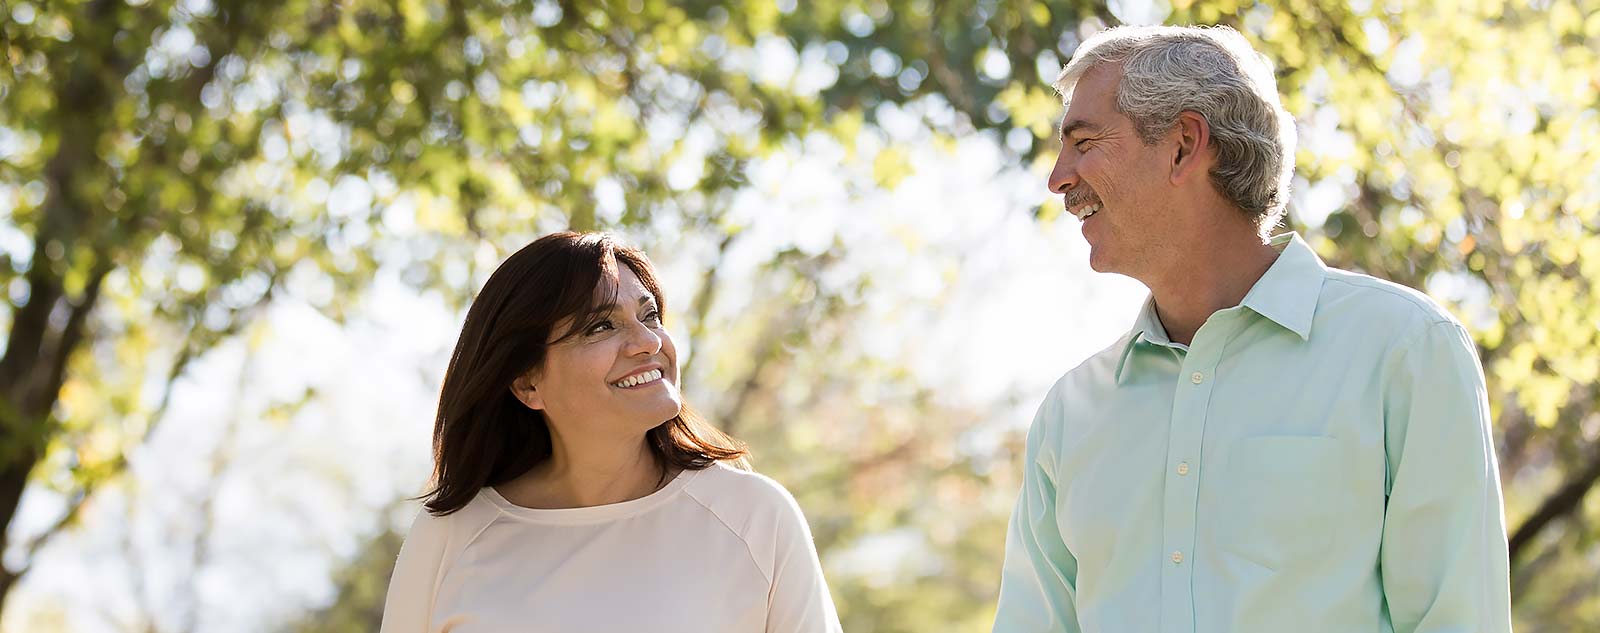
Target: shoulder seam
[
  {"x": 720, "y": 521},
  {"x": 1435, "y": 314},
  {"x": 450, "y": 552},
  {"x": 1109, "y": 354},
  {"x": 455, "y": 552},
  {"x": 481, "y": 529}
]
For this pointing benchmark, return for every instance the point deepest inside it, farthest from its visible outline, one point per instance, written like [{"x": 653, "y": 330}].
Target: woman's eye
[
  {"x": 600, "y": 327},
  {"x": 652, "y": 317}
]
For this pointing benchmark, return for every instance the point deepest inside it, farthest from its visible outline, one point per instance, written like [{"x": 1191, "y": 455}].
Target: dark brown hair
[{"x": 483, "y": 435}]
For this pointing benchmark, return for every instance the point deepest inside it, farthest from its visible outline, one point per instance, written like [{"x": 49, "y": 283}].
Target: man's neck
[{"x": 1216, "y": 273}]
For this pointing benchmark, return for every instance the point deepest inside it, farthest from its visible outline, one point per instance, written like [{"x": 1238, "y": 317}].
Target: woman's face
[{"x": 615, "y": 379}]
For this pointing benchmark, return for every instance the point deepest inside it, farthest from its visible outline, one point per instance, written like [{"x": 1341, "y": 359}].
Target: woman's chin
[{"x": 661, "y": 412}]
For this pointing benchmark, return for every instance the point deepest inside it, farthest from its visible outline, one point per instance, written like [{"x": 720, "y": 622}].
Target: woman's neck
[{"x": 581, "y": 477}]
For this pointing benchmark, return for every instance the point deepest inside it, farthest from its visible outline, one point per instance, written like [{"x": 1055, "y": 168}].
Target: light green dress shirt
[{"x": 1318, "y": 459}]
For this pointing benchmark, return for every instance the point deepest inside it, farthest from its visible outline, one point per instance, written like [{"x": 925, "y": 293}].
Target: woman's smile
[{"x": 639, "y": 380}]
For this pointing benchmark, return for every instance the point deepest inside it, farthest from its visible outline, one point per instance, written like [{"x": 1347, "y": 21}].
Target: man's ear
[
  {"x": 1194, "y": 153},
  {"x": 525, "y": 391}
]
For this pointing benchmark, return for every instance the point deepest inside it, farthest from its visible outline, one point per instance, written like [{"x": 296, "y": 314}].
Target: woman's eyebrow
[{"x": 606, "y": 308}]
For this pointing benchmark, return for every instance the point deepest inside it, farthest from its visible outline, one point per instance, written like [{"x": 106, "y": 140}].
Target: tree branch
[
  {"x": 221, "y": 457},
  {"x": 1566, "y": 499},
  {"x": 72, "y": 333},
  {"x": 192, "y": 347},
  {"x": 701, "y": 306}
]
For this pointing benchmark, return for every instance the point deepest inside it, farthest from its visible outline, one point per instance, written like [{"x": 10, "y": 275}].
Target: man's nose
[{"x": 1064, "y": 175}]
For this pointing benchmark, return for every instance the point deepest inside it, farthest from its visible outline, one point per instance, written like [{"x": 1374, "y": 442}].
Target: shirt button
[
  {"x": 1197, "y": 378},
  {"x": 1183, "y": 468},
  {"x": 1177, "y": 558}
]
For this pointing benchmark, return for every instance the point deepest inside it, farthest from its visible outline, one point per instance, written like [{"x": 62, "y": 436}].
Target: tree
[
  {"x": 1467, "y": 177},
  {"x": 172, "y": 168}
]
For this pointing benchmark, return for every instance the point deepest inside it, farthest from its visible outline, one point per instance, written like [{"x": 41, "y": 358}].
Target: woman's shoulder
[
  {"x": 730, "y": 492},
  {"x": 756, "y": 509},
  {"x": 447, "y": 528}
]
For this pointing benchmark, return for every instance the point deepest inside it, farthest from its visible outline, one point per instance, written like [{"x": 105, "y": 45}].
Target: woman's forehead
[{"x": 623, "y": 284}]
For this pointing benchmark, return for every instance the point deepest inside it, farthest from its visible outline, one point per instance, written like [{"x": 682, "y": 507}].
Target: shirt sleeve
[
  {"x": 1444, "y": 557},
  {"x": 409, "y": 604},
  {"x": 1039, "y": 582},
  {"x": 799, "y": 600}
]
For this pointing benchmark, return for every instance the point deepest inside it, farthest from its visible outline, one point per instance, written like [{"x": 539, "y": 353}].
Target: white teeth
[
  {"x": 1084, "y": 213},
  {"x": 634, "y": 381}
]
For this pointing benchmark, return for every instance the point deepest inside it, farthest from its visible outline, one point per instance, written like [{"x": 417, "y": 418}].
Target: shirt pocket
[{"x": 1281, "y": 500}]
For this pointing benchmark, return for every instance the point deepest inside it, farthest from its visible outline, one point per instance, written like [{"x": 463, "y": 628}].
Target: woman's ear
[
  {"x": 525, "y": 391},
  {"x": 1194, "y": 153}
]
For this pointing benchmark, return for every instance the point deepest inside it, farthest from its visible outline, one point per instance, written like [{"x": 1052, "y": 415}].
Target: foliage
[
  {"x": 167, "y": 169},
  {"x": 1468, "y": 173}
]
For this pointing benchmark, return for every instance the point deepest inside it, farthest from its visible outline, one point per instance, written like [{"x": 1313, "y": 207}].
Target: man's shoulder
[
  {"x": 1099, "y": 368},
  {"x": 1379, "y": 302}
]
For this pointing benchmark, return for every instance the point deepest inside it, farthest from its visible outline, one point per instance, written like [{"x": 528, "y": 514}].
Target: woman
[{"x": 572, "y": 489}]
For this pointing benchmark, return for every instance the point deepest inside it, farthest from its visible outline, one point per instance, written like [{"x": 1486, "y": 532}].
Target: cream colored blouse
[{"x": 719, "y": 549}]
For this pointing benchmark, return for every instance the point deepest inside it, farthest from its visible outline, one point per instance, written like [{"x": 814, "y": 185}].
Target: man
[{"x": 1276, "y": 445}]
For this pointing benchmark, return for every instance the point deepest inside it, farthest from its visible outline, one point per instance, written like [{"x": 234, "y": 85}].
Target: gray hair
[{"x": 1211, "y": 71}]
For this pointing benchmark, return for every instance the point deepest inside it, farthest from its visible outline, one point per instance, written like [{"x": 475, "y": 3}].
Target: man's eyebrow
[{"x": 1068, "y": 127}]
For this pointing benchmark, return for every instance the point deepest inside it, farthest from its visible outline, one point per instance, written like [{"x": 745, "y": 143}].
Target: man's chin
[{"x": 1098, "y": 261}]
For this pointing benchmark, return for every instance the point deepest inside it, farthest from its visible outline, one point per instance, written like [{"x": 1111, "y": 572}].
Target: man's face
[{"x": 1112, "y": 182}]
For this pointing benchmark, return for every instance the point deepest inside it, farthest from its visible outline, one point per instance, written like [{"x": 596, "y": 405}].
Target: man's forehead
[
  {"x": 1096, "y": 84},
  {"x": 1085, "y": 121},
  {"x": 1090, "y": 105}
]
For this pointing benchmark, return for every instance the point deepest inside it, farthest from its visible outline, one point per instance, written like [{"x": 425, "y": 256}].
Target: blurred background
[{"x": 237, "y": 240}]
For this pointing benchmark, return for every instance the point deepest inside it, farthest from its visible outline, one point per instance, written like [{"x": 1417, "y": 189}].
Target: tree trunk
[
  {"x": 1565, "y": 500},
  {"x": 50, "y": 327}
]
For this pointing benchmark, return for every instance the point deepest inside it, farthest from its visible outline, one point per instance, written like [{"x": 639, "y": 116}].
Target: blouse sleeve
[
  {"x": 799, "y": 599},
  {"x": 409, "y": 604}
]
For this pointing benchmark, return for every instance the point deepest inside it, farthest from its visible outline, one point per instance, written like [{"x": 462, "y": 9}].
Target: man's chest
[{"x": 1263, "y": 456}]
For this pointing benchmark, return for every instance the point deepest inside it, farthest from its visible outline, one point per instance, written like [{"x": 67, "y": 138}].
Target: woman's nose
[{"x": 643, "y": 340}]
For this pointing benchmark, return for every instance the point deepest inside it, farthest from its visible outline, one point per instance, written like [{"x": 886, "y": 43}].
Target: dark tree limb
[{"x": 1567, "y": 499}]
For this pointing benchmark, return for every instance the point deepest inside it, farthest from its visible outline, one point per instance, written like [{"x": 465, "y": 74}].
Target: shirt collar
[
  {"x": 1147, "y": 327},
  {"x": 1286, "y": 295}
]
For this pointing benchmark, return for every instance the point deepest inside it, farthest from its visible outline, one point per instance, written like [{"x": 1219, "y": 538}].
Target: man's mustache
[{"x": 1079, "y": 196}]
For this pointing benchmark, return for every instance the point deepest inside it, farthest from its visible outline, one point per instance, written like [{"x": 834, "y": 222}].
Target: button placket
[{"x": 1191, "y": 404}]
